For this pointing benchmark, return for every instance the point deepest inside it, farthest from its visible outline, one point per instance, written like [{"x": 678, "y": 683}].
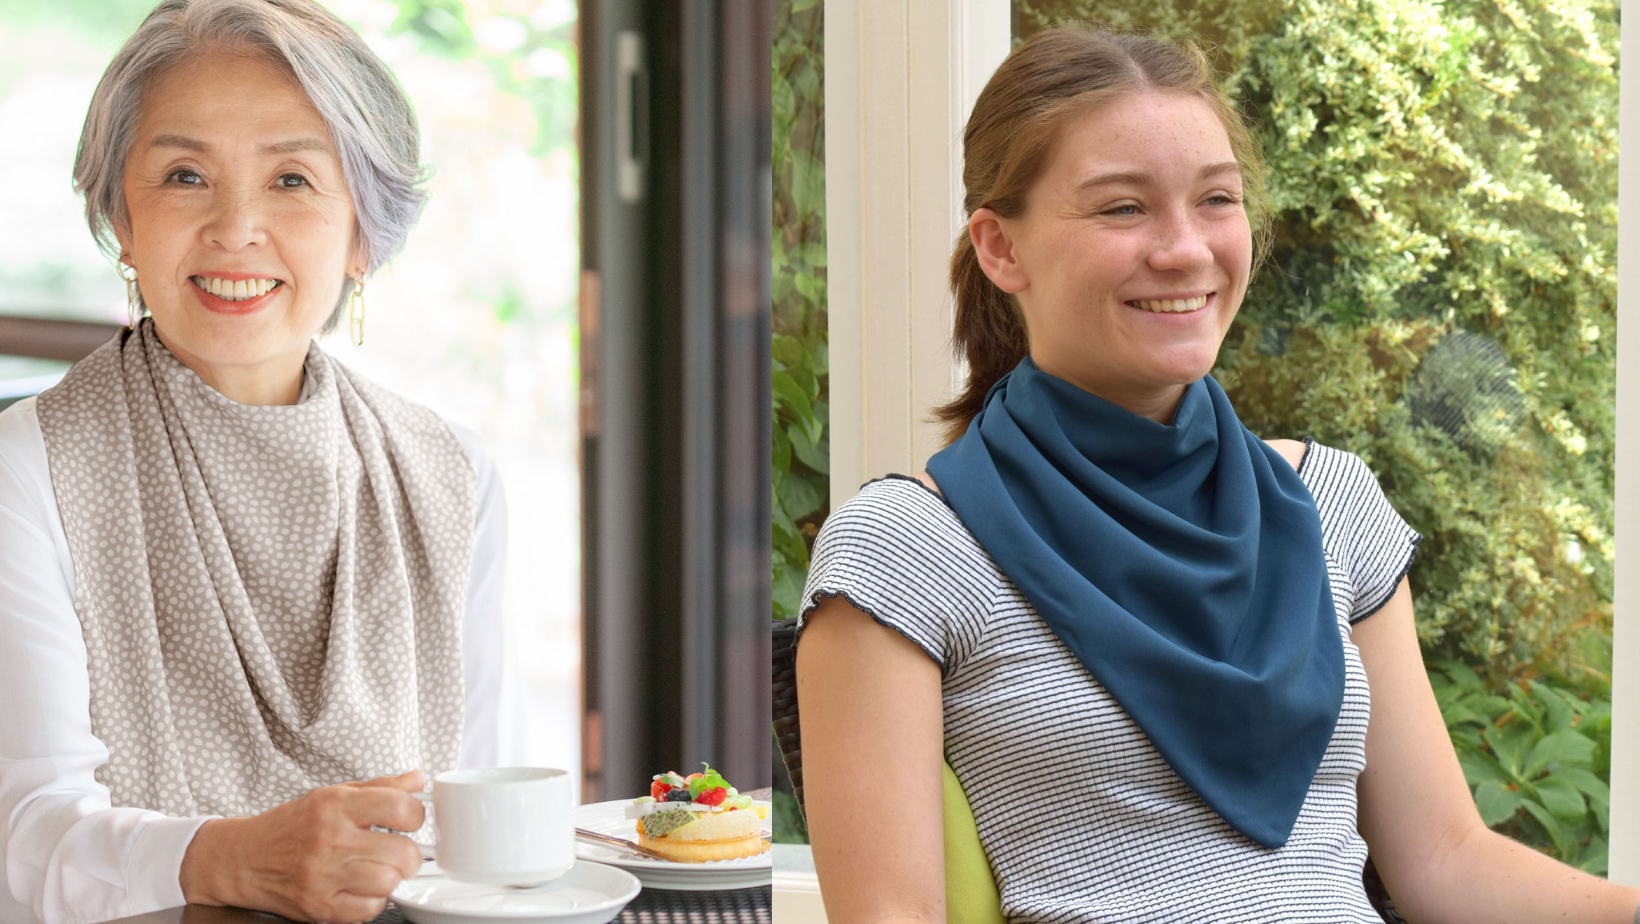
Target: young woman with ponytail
[{"x": 1137, "y": 633}]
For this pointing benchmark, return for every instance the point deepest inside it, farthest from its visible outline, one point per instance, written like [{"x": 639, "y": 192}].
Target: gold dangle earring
[
  {"x": 355, "y": 312},
  {"x": 133, "y": 314}
]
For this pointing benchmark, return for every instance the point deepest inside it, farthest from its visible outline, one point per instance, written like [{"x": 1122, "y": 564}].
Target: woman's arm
[
  {"x": 1440, "y": 863},
  {"x": 488, "y": 671},
  {"x": 873, "y": 741},
  {"x": 68, "y": 856}
]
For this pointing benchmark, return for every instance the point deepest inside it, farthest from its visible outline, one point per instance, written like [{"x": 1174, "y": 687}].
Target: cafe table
[{"x": 652, "y": 906}]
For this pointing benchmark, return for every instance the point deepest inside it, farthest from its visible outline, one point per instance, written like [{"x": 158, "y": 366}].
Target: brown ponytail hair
[{"x": 1042, "y": 86}]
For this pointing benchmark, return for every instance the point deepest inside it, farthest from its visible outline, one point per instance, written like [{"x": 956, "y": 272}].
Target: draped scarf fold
[
  {"x": 271, "y": 597},
  {"x": 1181, "y": 564}
]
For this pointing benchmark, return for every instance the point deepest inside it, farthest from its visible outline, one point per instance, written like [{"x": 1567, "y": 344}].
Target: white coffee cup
[{"x": 503, "y": 825}]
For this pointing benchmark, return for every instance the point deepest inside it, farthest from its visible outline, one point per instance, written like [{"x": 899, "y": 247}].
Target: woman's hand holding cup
[{"x": 314, "y": 858}]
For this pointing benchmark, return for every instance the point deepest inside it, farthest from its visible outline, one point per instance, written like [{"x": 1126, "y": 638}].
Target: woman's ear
[
  {"x": 997, "y": 254},
  {"x": 122, "y": 237},
  {"x": 358, "y": 257}
]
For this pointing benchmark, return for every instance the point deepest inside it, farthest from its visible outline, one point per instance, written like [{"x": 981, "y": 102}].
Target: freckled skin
[
  {"x": 235, "y": 207},
  {"x": 1077, "y": 254}
]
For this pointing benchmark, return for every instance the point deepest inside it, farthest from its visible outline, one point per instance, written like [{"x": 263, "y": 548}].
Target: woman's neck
[
  {"x": 1156, "y": 402},
  {"x": 277, "y": 380}
]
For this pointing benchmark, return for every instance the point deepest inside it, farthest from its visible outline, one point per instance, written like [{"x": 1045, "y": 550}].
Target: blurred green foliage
[
  {"x": 446, "y": 28},
  {"x": 801, "y": 445},
  {"x": 1441, "y": 301},
  {"x": 1538, "y": 760},
  {"x": 802, "y": 448}
]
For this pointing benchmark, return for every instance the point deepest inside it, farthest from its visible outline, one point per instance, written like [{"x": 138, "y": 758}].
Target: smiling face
[
  {"x": 1133, "y": 252},
  {"x": 242, "y": 229}
]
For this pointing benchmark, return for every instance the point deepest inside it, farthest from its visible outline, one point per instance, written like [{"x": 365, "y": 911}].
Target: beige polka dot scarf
[{"x": 271, "y": 597}]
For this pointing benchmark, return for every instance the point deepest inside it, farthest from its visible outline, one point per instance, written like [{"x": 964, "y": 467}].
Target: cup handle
[{"x": 426, "y": 799}]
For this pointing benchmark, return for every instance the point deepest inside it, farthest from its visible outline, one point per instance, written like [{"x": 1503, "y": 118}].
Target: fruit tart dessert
[{"x": 698, "y": 818}]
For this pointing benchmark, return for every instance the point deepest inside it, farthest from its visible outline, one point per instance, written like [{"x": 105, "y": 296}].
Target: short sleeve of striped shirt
[
  {"x": 1363, "y": 533},
  {"x": 898, "y": 553}
]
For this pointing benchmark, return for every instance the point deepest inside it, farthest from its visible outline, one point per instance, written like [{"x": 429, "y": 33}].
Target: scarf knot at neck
[{"x": 1181, "y": 564}]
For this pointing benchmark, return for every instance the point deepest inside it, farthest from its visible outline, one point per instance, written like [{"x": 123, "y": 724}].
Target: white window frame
[
  {"x": 899, "y": 84},
  {"x": 901, "y": 76},
  {"x": 1624, "y": 861}
]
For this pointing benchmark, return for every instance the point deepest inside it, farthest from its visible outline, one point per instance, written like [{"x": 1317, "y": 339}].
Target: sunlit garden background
[
  {"x": 1441, "y": 300},
  {"x": 476, "y": 318}
]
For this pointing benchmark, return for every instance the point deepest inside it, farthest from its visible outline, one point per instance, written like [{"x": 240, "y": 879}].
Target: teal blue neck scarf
[{"x": 1181, "y": 564}]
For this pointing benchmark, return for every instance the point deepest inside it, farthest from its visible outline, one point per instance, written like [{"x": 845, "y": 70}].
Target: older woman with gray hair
[{"x": 236, "y": 579}]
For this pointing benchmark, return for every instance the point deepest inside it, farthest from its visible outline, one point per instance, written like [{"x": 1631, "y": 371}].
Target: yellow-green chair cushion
[{"x": 970, "y": 892}]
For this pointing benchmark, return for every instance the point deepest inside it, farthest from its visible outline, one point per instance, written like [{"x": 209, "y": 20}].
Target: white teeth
[
  {"x": 1171, "y": 304},
  {"x": 235, "y": 290}
]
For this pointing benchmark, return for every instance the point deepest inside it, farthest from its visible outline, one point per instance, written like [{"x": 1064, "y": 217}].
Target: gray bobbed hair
[{"x": 370, "y": 118}]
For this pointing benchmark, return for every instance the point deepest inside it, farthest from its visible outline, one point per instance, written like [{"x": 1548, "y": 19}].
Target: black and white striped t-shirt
[{"x": 1080, "y": 816}]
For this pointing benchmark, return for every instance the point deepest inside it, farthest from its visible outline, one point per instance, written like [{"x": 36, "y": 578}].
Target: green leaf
[
  {"x": 799, "y": 6},
  {"x": 1595, "y": 790},
  {"x": 1461, "y": 673},
  {"x": 789, "y": 352},
  {"x": 812, "y": 288},
  {"x": 787, "y": 593},
  {"x": 1511, "y": 744},
  {"x": 709, "y": 779},
  {"x": 1563, "y": 842},
  {"x": 1480, "y": 767},
  {"x": 1493, "y": 707},
  {"x": 1586, "y": 782},
  {"x": 1495, "y": 803},
  {"x": 814, "y": 253},
  {"x": 1460, "y": 714},
  {"x": 800, "y": 496},
  {"x": 782, "y": 449},
  {"x": 1594, "y": 859},
  {"x": 1566, "y": 747},
  {"x": 808, "y": 185},
  {"x": 1558, "y": 713},
  {"x": 815, "y": 457},
  {"x": 1561, "y": 799},
  {"x": 793, "y": 396}
]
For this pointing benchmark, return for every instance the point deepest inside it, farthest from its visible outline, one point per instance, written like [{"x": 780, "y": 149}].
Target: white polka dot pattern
[{"x": 272, "y": 596}]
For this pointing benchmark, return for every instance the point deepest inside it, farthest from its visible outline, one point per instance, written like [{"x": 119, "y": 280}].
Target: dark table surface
[{"x": 652, "y": 906}]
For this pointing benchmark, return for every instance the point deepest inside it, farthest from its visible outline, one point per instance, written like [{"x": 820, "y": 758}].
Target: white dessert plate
[
  {"x": 610, "y": 818},
  {"x": 590, "y": 893}
]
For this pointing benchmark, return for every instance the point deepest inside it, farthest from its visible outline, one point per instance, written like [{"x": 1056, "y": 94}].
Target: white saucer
[
  {"x": 610, "y": 818},
  {"x": 590, "y": 893}
]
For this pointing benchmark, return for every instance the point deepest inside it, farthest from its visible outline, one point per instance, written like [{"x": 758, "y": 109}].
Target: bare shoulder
[{"x": 1291, "y": 450}]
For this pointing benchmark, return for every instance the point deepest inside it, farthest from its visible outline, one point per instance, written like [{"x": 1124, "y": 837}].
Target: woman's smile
[
  {"x": 235, "y": 293},
  {"x": 1171, "y": 304}
]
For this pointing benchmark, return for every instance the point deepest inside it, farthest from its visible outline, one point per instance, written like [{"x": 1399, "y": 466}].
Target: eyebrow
[
  {"x": 281, "y": 147},
  {"x": 1145, "y": 179}
]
